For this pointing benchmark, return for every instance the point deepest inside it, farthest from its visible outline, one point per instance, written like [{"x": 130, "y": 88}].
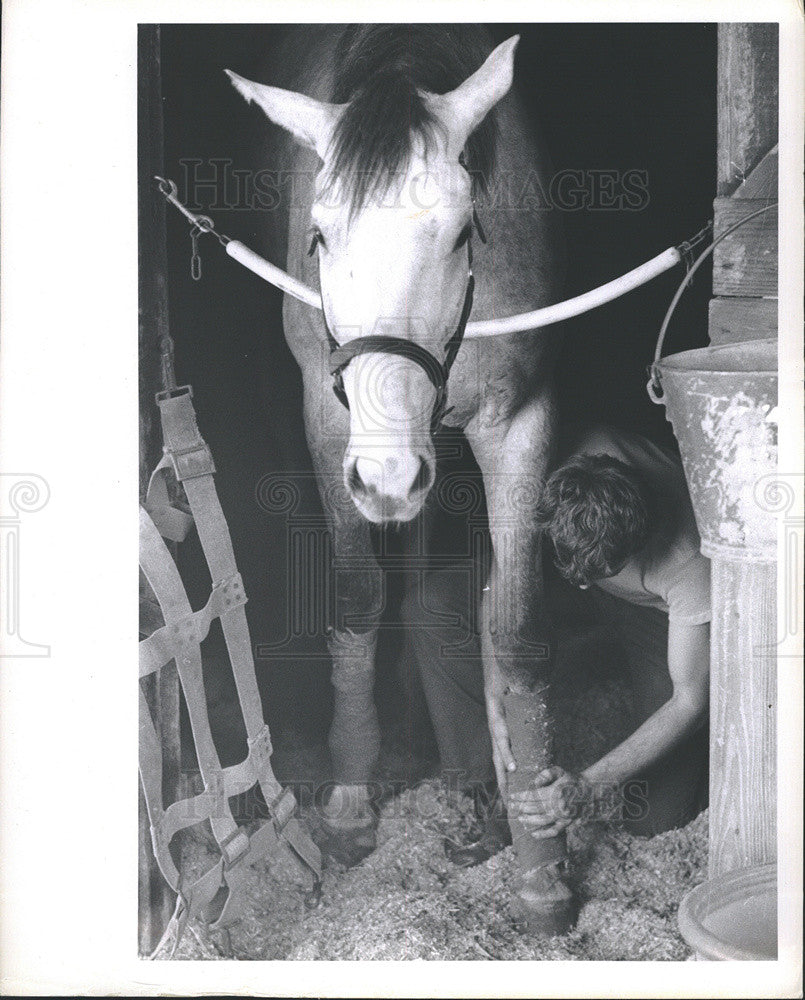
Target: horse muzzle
[{"x": 389, "y": 485}]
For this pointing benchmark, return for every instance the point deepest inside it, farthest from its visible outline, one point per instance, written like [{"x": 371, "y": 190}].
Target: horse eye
[
  {"x": 316, "y": 238},
  {"x": 463, "y": 236}
]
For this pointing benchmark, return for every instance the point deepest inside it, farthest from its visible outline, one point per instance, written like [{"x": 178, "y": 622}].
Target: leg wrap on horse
[
  {"x": 543, "y": 905},
  {"x": 532, "y": 746},
  {"x": 355, "y": 733}
]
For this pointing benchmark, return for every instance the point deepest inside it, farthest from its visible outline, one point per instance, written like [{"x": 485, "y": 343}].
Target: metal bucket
[
  {"x": 722, "y": 404},
  {"x": 733, "y": 917}
]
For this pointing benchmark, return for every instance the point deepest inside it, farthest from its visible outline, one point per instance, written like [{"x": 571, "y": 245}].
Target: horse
[{"x": 418, "y": 144}]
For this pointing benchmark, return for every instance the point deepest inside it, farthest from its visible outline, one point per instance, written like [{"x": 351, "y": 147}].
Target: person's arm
[
  {"x": 502, "y": 756},
  {"x": 558, "y": 794},
  {"x": 685, "y": 710}
]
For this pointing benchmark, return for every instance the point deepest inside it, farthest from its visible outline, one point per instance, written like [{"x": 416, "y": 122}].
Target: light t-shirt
[{"x": 669, "y": 572}]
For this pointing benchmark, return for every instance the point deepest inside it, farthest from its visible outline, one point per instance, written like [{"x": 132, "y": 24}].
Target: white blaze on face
[
  {"x": 398, "y": 268},
  {"x": 395, "y": 271}
]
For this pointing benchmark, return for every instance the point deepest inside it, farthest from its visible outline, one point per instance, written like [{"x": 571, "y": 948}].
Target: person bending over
[{"x": 618, "y": 517}]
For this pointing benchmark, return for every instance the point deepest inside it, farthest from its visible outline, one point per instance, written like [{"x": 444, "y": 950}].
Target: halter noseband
[{"x": 437, "y": 371}]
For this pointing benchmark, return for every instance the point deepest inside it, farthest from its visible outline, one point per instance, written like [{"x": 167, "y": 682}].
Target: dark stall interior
[{"x": 608, "y": 97}]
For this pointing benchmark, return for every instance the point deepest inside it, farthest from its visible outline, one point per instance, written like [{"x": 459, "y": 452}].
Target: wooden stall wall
[
  {"x": 743, "y": 686},
  {"x": 745, "y": 264},
  {"x": 154, "y": 896}
]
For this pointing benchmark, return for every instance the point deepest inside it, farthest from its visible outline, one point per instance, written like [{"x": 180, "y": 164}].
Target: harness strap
[
  {"x": 179, "y": 639},
  {"x": 194, "y": 466},
  {"x": 164, "y": 644},
  {"x": 173, "y": 523},
  {"x": 150, "y": 764},
  {"x": 455, "y": 341},
  {"x": 163, "y": 576}
]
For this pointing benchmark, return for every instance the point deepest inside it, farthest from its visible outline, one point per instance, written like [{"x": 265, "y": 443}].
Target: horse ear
[
  {"x": 462, "y": 110},
  {"x": 311, "y": 122}
]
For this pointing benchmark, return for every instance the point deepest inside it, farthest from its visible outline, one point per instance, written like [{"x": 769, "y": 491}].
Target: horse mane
[{"x": 378, "y": 68}]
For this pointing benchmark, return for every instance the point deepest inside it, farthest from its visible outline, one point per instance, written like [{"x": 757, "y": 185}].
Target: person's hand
[
  {"x": 555, "y": 799},
  {"x": 498, "y": 729}
]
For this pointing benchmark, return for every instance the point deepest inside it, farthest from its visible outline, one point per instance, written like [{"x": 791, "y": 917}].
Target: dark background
[{"x": 606, "y": 96}]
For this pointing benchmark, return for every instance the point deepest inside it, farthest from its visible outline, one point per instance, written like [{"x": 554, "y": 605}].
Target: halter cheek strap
[{"x": 437, "y": 371}]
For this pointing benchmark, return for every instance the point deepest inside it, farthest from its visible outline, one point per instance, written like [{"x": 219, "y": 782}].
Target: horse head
[{"x": 391, "y": 221}]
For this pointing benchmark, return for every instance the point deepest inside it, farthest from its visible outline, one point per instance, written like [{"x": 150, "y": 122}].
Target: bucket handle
[{"x": 654, "y": 384}]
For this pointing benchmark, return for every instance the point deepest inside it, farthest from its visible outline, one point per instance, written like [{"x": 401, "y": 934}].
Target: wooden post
[
  {"x": 153, "y": 278},
  {"x": 743, "y": 715},
  {"x": 743, "y": 703},
  {"x": 155, "y": 897},
  {"x": 745, "y": 265},
  {"x": 748, "y": 71}
]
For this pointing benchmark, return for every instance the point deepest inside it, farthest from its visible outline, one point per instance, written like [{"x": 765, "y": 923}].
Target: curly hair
[{"x": 595, "y": 510}]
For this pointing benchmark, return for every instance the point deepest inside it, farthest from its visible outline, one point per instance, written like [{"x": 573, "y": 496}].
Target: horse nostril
[
  {"x": 354, "y": 481},
  {"x": 423, "y": 480},
  {"x": 363, "y": 482}
]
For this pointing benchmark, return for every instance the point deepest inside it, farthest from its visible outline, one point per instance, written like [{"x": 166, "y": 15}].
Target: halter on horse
[{"x": 437, "y": 371}]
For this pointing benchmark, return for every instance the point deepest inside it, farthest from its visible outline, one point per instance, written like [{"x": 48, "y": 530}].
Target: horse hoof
[
  {"x": 469, "y": 855},
  {"x": 495, "y": 838},
  {"x": 348, "y": 846},
  {"x": 544, "y": 906}
]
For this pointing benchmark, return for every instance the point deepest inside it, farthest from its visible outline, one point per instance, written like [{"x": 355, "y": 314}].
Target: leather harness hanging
[
  {"x": 179, "y": 639},
  {"x": 437, "y": 371}
]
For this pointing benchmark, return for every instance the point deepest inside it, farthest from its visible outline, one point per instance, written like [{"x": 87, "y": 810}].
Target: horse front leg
[
  {"x": 516, "y": 642},
  {"x": 348, "y": 820}
]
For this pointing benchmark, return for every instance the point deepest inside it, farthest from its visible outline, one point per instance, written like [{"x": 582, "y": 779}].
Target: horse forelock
[{"x": 379, "y": 72}]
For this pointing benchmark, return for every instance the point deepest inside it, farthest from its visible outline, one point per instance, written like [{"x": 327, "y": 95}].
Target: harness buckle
[
  {"x": 282, "y": 809},
  {"x": 192, "y": 462},
  {"x": 174, "y": 393},
  {"x": 234, "y": 848}
]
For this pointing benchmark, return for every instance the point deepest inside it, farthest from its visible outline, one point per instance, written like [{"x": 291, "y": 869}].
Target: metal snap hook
[
  {"x": 167, "y": 187},
  {"x": 205, "y": 223},
  {"x": 195, "y": 258}
]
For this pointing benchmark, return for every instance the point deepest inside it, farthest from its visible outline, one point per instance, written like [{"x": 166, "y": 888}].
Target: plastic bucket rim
[{"x": 704, "y": 941}]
